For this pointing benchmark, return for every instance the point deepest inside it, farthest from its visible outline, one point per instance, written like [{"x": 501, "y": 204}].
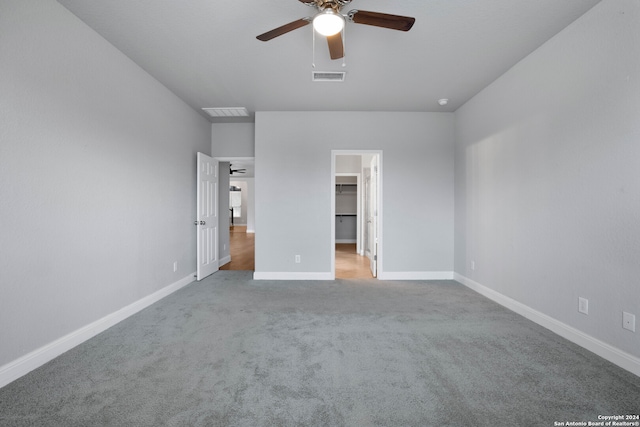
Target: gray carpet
[{"x": 228, "y": 351}]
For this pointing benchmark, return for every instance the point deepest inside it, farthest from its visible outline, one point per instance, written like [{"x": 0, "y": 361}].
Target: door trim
[{"x": 335, "y": 153}]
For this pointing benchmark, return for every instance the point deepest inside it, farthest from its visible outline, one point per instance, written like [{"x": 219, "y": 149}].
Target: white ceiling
[{"x": 207, "y": 53}]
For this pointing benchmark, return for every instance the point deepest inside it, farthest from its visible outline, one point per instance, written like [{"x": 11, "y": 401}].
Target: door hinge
[{"x": 375, "y": 257}]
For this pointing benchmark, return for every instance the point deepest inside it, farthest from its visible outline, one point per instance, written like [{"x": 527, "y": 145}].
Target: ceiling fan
[
  {"x": 232, "y": 171},
  {"x": 329, "y": 22}
]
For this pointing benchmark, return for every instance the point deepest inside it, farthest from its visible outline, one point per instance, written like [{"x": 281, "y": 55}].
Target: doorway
[
  {"x": 236, "y": 219},
  {"x": 356, "y": 213}
]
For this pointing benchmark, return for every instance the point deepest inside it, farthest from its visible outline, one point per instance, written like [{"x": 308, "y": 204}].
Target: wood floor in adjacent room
[
  {"x": 349, "y": 265},
  {"x": 242, "y": 249}
]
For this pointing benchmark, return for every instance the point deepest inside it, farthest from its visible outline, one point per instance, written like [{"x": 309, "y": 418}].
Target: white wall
[
  {"x": 250, "y": 205},
  {"x": 97, "y": 178},
  {"x": 242, "y": 187},
  {"x": 548, "y": 177},
  {"x": 224, "y": 220},
  {"x": 293, "y": 188},
  {"x": 243, "y": 184}
]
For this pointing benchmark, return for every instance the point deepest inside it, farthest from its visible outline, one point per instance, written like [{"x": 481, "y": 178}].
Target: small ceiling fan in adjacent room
[
  {"x": 329, "y": 22},
  {"x": 239, "y": 170}
]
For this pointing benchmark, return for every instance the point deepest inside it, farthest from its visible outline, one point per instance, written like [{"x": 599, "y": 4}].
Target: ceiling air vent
[
  {"x": 227, "y": 112},
  {"x": 328, "y": 76}
]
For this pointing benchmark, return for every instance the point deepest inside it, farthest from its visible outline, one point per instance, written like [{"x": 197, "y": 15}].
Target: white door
[
  {"x": 373, "y": 217},
  {"x": 207, "y": 220}
]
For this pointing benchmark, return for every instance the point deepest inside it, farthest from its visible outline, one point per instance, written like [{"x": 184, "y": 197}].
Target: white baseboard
[
  {"x": 602, "y": 349},
  {"x": 402, "y": 275},
  {"x": 415, "y": 275},
  {"x": 346, "y": 241},
  {"x": 291, "y": 276},
  {"x": 27, "y": 363},
  {"x": 224, "y": 260},
  {"x": 251, "y": 231}
]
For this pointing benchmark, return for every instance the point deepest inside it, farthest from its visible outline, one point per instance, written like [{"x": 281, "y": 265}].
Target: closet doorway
[{"x": 355, "y": 214}]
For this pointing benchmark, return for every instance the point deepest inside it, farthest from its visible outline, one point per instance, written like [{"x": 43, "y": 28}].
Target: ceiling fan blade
[
  {"x": 284, "y": 29},
  {"x": 384, "y": 20},
  {"x": 336, "y": 48}
]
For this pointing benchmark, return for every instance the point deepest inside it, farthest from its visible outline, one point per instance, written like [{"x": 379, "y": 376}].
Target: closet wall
[
  {"x": 348, "y": 167},
  {"x": 346, "y": 209}
]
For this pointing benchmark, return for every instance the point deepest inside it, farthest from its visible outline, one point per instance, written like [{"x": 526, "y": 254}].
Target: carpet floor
[{"x": 229, "y": 351}]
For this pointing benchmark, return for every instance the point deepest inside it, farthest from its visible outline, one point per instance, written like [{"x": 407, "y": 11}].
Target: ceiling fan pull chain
[
  {"x": 344, "y": 46},
  {"x": 313, "y": 48}
]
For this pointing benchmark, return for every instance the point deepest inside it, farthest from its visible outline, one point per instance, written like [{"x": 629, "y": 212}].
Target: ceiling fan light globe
[{"x": 328, "y": 23}]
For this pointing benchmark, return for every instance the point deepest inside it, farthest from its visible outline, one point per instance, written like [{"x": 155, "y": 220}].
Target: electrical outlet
[
  {"x": 629, "y": 321},
  {"x": 583, "y": 305},
  {"x": 175, "y": 266},
  {"x": 297, "y": 259}
]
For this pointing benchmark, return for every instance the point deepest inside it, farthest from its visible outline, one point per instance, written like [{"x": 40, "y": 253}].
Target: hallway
[{"x": 242, "y": 249}]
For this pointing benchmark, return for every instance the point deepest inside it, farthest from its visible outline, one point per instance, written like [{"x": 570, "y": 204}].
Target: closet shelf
[{"x": 346, "y": 189}]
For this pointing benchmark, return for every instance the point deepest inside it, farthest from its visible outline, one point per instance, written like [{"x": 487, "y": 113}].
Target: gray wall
[
  {"x": 97, "y": 178},
  {"x": 293, "y": 187},
  {"x": 548, "y": 181},
  {"x": 233, "y": 139},
  {"x": 348, "y": 163}
]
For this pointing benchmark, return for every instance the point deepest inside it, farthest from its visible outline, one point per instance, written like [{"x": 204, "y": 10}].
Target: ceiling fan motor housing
[{"x": 325, "y": 4}]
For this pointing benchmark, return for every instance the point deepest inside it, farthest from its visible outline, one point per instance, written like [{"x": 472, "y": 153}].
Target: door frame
[{"x": 334, "y": 154}]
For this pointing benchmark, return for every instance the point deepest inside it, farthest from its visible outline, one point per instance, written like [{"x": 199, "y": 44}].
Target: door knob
[
  {"x": 202, "y": 223},
  {"x": 195, "y": 222}
]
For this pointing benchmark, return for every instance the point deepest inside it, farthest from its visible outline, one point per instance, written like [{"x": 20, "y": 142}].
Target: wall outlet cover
[
  {"x": 629, "y": 321},
  {"x": 583, "y": 305}
]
